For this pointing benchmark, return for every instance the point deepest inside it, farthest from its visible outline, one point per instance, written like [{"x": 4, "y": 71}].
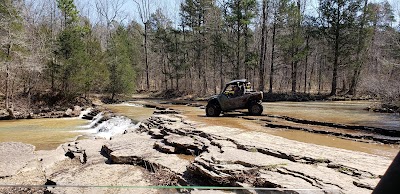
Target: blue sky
[
  {"x": 129, "y": 11},
  {"x": 171, "y": 8}
]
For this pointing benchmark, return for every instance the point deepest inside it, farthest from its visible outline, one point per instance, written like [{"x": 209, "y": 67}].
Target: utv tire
[
  {"x": 255, "y": 109},
  {"x": 213, "y": 110}
]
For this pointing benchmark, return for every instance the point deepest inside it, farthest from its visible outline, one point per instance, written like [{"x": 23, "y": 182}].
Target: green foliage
[
  {"x": 241, "y": 12},
  {"x": 168, "y": 41},
  {"x": 119, "y": 63},
  {"x": 12, "y": 46},
  {"x": 92, "y": 74},
  {"x": 71, "y": 56},
  {"x": 239, "y": 16},
  {"x": 135, "y": 37},
  {"x": 69, "y": 11},
  {"x": 292, "y": 42},
  {"x": 193, "y": 13},
  {"x": 79, "y": 65},
  {"x": 339, "y": 16}
]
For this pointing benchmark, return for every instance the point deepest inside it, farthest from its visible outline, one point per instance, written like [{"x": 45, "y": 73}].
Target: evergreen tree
[
  {"x": 70, "y": 50},
  {"x": 292, "y": 42},
  {"x": 160, "y": 27},
  {"x": 361, "y": 48},
  {"x": 193, "y": 14},
  {"x": 119, "y": 63},
  {"x": 339, "y": 26},
  {"x": 92, "y": 74},
  {"x": 240, "y": 14}
]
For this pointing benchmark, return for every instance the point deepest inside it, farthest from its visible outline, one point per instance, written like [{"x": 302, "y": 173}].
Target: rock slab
[{"x": 14, "y": 156}]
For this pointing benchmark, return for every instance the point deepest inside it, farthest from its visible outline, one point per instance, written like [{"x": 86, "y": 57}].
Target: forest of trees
[{"x": 344, "y": 47}]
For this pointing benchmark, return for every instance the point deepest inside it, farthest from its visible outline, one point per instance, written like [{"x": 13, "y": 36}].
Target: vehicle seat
[{"x": 242, "y": 90}]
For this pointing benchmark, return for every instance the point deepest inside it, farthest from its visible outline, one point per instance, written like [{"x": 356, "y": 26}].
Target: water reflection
[{"x": 347, "y": 112}]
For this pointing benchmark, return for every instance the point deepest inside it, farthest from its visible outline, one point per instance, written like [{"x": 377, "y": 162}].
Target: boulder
[
  {"x": 68, "y": 113},
  {"x": 77, "y": 111}
]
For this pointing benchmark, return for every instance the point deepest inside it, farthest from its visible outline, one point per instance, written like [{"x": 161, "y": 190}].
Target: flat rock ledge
[
  {"x": 168, "y": 149},
  {"x": 181, "y": 152},
  {"x": 14, "y": 156},
  {"x": 20, "y": 166}
]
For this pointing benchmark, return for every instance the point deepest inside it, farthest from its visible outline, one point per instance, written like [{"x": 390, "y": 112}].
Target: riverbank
[
  {"x": 171, "y": 149},
  {"x": 46, "y": 106}
]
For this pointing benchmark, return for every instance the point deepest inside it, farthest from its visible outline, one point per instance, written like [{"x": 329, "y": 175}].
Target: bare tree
[
  {"x": 12, "y": 45},
  {"x": 143, "y": 7},
  {"x": 263, "y": 51},
  {"x": 111, "y": 10}
]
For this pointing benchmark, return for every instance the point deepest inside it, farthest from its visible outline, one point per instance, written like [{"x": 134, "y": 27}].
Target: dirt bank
[{"x": 46, "y": 106}]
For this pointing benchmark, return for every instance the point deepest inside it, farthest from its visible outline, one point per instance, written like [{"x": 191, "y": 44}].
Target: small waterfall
[
  {"x": 114, "y": 126},
  {"x": 107, "y": 129},
  {"x": 95, "y": 120}
]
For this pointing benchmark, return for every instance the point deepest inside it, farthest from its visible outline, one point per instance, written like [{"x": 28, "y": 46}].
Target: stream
[{"x": 47, "y": 134}]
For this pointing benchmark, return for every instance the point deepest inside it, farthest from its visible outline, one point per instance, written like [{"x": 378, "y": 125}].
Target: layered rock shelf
[
  {"x": 169, "y": 150},
  {"x": 227, "y": 157}
]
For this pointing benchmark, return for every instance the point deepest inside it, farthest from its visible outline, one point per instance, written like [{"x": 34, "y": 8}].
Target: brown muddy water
[
  {"x": 48, "y": 134},
  {"x": 45, "y": 134},
  {"x": 341, "y": 112},
  {"x": 134, "y": 111},
  {"x": 337, "y": 112}
]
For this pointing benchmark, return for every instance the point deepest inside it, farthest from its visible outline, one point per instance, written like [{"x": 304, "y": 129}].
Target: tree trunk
[
  {"x": 359, "y": 61},
  {"x": 7, "y": 104},
  {"x": 146, "y": 57},
  {"x": 295, "y": 49},
  {"x": 323, "y": 61},
  {"x": 336, "y": 56},
  {"x": 164, "y": 71},
  {"x": 263, "y": 45},
  {"x": 221, "y": 75},
  {"x": 311, "y": 74},
  {"x": 246, "y": 50},
  {"x": 294, "y": 76},
  {"x": 237, "y": 67},
  {"x": 293, "y": 64},
  {"x": 214, "y": 70},
  {"x": 306, "y": 66},
  {"x": 8, "y": 56},
  {"x": 271, "y": 75}
]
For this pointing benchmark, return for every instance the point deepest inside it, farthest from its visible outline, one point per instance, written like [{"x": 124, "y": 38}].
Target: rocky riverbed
[{"x": 168, "y": 149}]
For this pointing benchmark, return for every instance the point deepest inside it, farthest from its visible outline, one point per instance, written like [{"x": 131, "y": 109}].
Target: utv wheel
[
  {"x": 255, "y": 109},
  {"x": 212, "y": 110}
]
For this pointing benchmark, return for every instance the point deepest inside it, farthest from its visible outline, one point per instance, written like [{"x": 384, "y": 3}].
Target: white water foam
[
  {"x": 130, "y": 104},
  {"x": 94, "y": 121},
  {"x": 114, "y": 126},
  {"x": 107, "y": 129}
]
